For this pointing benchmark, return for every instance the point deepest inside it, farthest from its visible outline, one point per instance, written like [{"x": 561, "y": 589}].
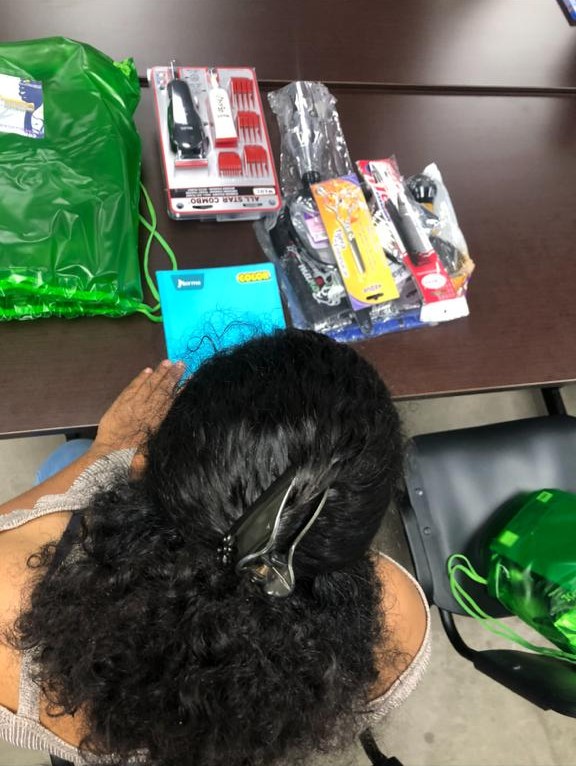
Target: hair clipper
[{"x": 187, "y": 136}]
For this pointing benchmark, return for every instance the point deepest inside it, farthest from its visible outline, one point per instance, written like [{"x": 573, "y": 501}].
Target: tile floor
[{"x": 456, "y": 717}]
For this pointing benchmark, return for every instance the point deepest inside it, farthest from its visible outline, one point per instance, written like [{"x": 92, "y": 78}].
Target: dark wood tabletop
[
  {"x": 510, "y": 165},
  {"x": 484, "y": 43}
]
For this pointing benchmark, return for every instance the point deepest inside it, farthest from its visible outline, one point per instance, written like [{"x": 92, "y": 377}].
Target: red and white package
[{"x": 440, "y": 300}]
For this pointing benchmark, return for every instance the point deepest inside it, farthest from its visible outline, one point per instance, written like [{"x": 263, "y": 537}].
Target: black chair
[{"x": 456, "y": 483}]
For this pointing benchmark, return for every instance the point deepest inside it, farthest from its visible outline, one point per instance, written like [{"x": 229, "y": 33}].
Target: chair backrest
[{"x": 458, "y": 480}]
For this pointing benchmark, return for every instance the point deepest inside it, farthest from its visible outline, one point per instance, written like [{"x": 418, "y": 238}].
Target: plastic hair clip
[{"x": 253, "y": 537}]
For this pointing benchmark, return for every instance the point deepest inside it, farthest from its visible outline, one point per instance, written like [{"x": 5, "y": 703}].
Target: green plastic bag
[
  {"x": 69, "y": 188},
  {"x": 531, "y": 571}
]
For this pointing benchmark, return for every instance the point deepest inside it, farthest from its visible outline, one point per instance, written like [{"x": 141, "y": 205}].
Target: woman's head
[
  {"x": 163, "y": 644},
  {"x": 293, "y": 400}
]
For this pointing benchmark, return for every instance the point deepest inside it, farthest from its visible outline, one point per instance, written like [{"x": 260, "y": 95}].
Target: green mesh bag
[
  {"x": 69, "y": 182},
  {"x": 531, "y": 571}
]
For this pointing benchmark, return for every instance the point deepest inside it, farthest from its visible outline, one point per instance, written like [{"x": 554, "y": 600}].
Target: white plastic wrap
[{"x": 312, "y": 140}]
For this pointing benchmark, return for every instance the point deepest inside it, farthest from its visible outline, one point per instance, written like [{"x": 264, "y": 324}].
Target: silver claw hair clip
[{"x": 252, "y": 539}]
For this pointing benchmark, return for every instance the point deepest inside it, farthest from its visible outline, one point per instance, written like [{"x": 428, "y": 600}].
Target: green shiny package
[
  {"x": 69, "y": 182},
  {"x": 531, "y": 571}
]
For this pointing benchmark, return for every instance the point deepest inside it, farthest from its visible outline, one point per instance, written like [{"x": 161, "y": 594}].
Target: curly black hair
[{"x": 166, "y": 650}]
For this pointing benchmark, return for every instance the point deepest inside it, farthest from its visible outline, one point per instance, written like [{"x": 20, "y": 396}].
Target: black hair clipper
[{"x": 188, "y": 138}]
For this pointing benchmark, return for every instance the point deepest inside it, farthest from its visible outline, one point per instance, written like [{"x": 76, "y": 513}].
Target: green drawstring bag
[
  {"x": 531, "y": 571},
  {"x": 69, "y": 182}
]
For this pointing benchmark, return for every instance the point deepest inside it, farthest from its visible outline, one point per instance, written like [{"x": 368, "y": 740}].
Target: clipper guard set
[{"x": 215, "y": 150}]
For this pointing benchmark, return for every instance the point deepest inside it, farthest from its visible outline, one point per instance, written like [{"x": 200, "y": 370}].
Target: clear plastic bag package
[
  {"x": 313, "y": 143},
  {"x": 313, "y": 150},
  {"x": 314, "y": 248}
]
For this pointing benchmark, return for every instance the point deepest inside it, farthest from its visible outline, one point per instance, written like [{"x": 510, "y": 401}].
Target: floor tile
[
  {"x": 11, "y": 756},
  {"x": 19, "y": 461}
]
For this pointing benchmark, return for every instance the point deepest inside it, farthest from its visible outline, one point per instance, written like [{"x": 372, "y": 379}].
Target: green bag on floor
[
  {"x": 69, "y": 182},
  {"x": 531, "y": 571}
]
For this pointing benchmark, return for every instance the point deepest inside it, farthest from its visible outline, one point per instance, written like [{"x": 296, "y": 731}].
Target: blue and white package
[
  {"x": 21, "y": 106},
  {"x": 207, "y": 310}
]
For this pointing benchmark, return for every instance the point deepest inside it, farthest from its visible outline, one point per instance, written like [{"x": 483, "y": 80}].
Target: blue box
[{"x": 207, "y": 310}]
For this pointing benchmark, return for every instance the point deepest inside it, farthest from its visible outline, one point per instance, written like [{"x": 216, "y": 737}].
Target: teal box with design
[{"x": 208, "y": 310}]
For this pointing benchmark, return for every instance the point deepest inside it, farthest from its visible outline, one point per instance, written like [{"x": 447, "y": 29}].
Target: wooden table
[
  {"x": 487, "y": 43},
  {"x": 509, "y": 161}
]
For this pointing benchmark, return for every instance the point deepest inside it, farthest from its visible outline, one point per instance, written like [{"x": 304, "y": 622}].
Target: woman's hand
[{"x": 138, "y": 410}]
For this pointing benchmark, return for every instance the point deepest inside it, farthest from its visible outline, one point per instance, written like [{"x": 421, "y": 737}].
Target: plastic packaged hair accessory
[
  {"x": 419, "y": 268},
  {"x": 313, "y": 150},
  {"x": 355, "y": 243},
  {"x": 441, "y": 224},
  {"x": 399, "y": 209},
  {"x": 312, "y": 141}
]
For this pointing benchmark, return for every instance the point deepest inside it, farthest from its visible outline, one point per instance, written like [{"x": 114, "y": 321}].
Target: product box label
[{"x": 21, "y": 106}]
